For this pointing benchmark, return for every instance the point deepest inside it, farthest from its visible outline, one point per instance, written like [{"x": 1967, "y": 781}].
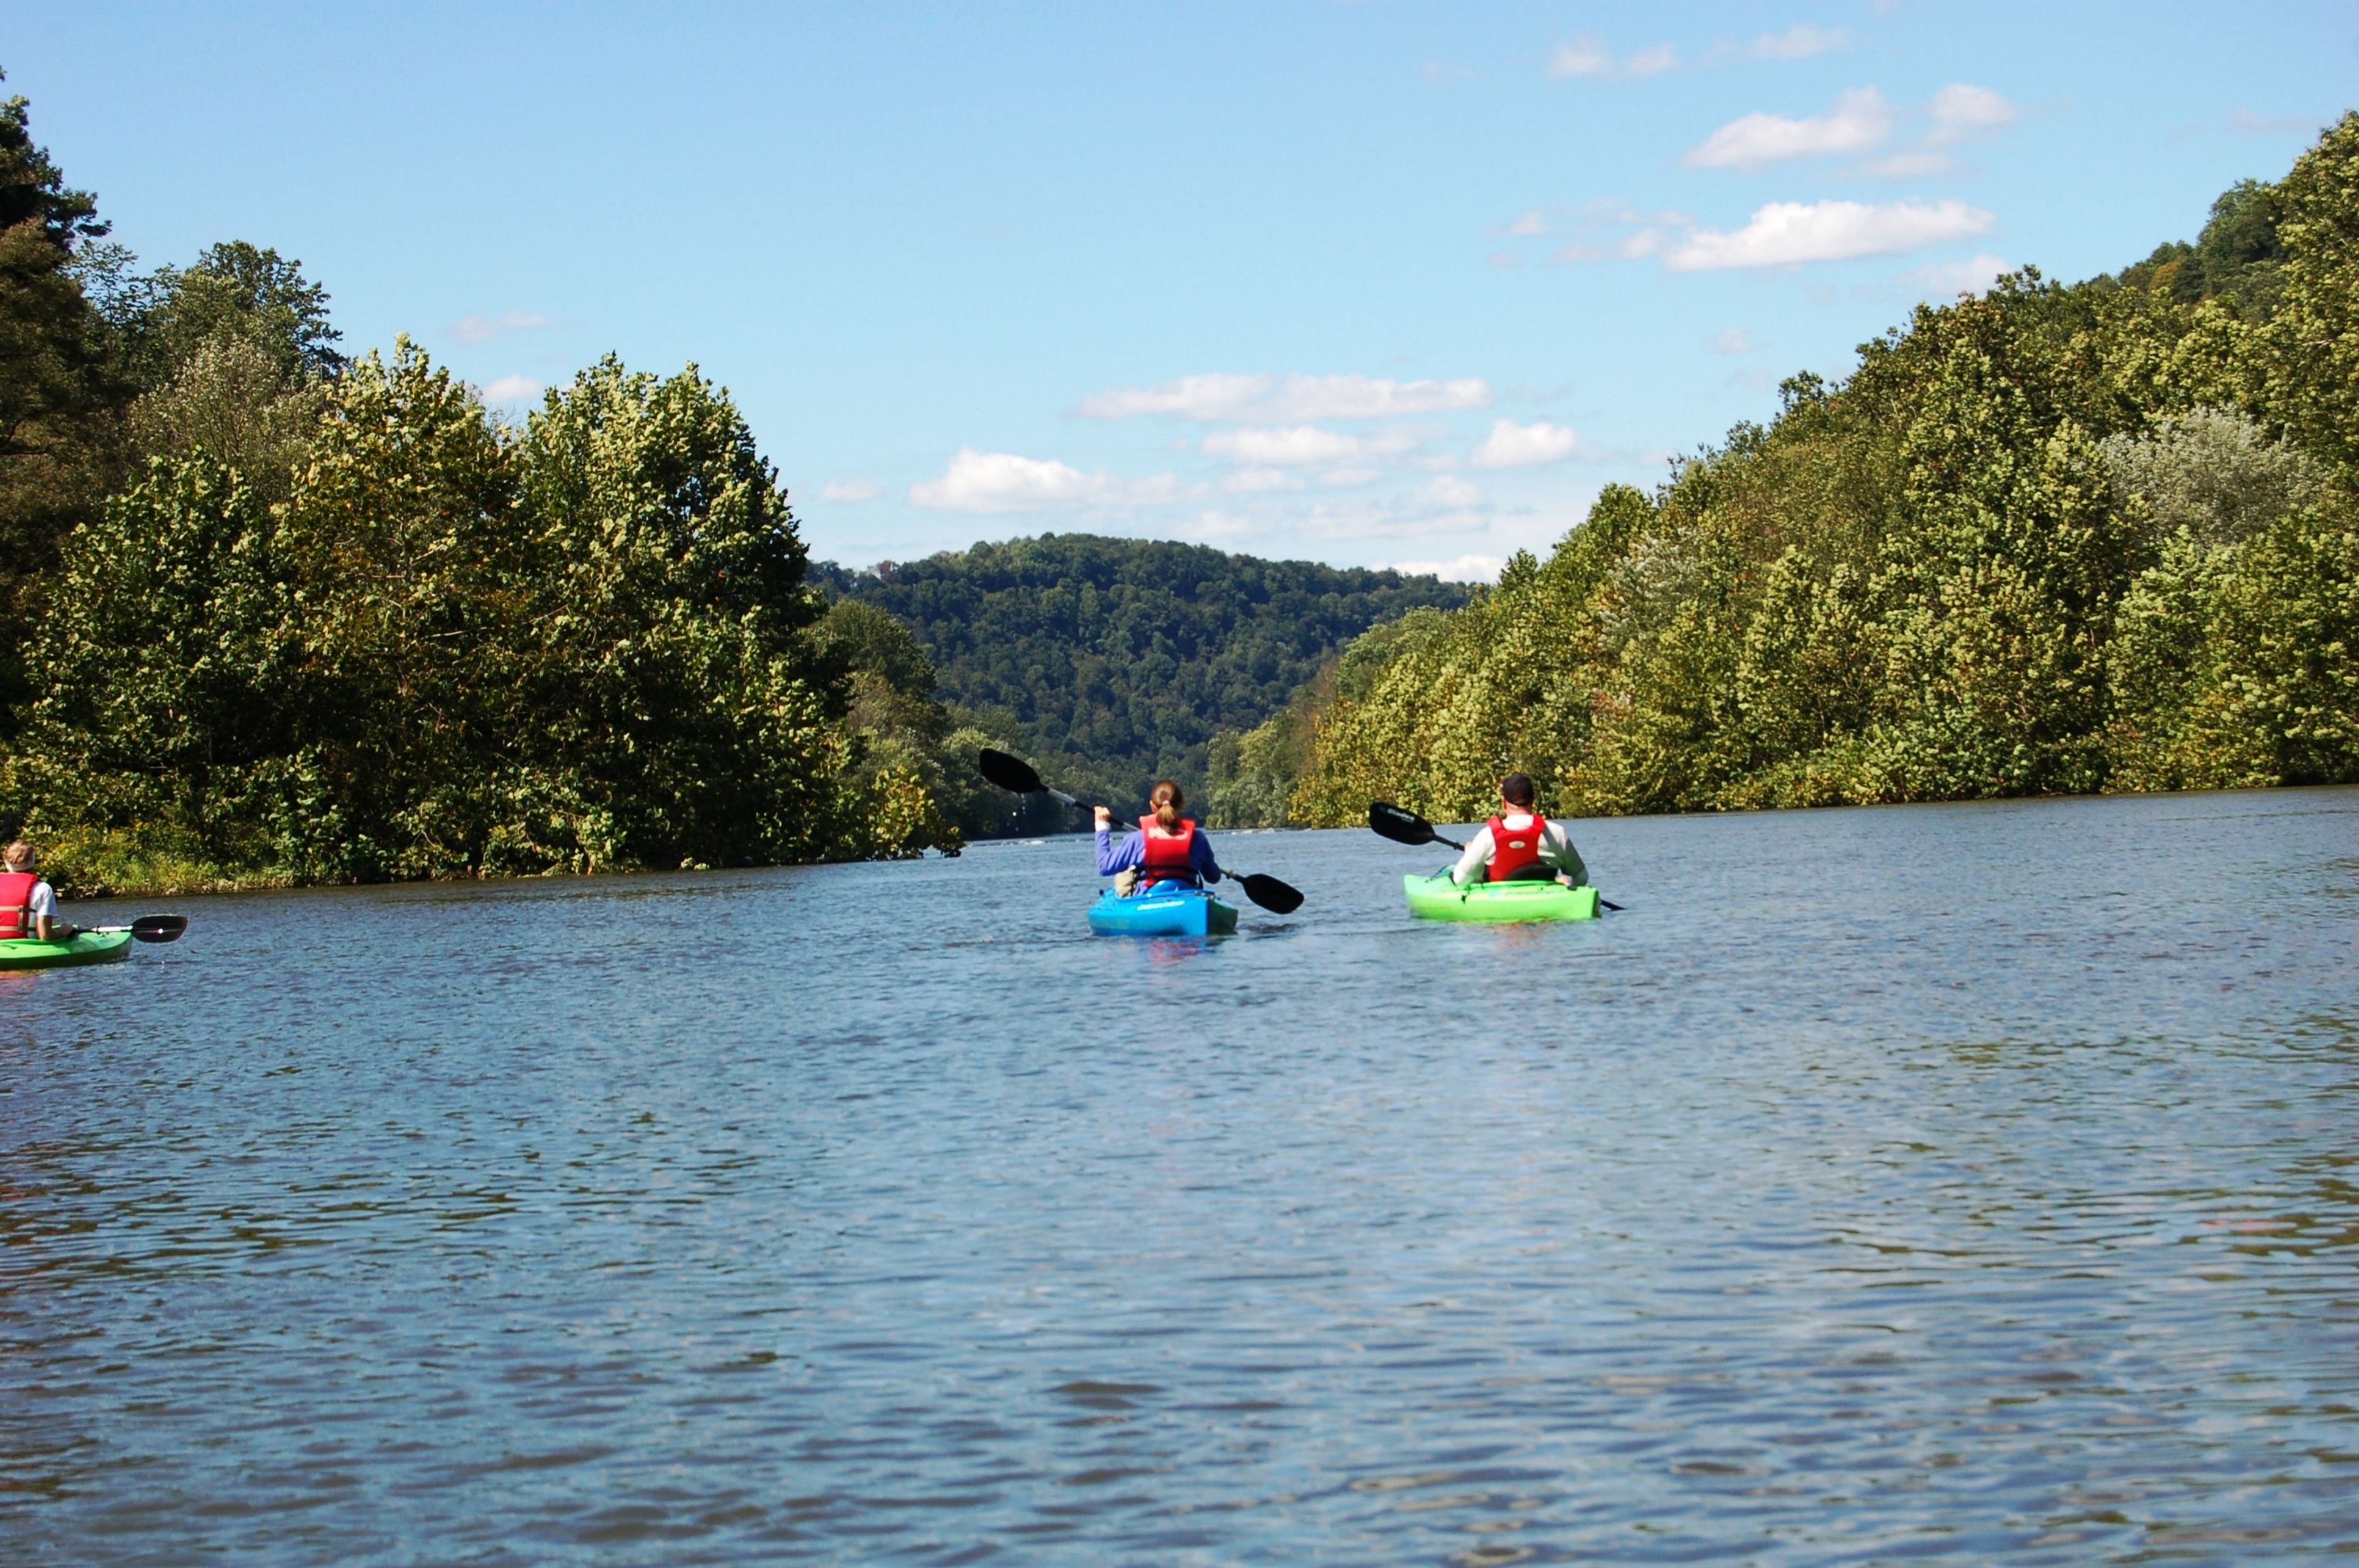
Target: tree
[
  {"x": 173, "y": 658},
  {"x": 56, "y": 394},
  {"x": 242, "y": 292},
  {"x": 673, "y": 687}
]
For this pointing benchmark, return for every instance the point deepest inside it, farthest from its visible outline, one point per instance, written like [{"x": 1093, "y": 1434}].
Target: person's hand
[{"x": 1105, "y": 817}]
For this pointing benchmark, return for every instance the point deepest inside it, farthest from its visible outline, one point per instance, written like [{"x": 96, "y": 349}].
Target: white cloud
[
  {"x": 1513, "y": 445},
  {"x": 1800, "y": 42},
  {"x": 1589, "y": 57},
  {"x": 1272, "y": 399},
  {"x": 513, "y": 389},
  {"x": 1284, "y": 447},
  {"x": 484, "y": 329},
  {"x": 2245, "y": 124},
  {"x": 851, "y": 491},
  {"x": 1785, "y": 233},
  {"x": 1376, "y": 519},
  {"x": 1732, "y": 341},
  {"x": 1255, "y": 480},
  {"x": 1530, "y": 223},
  {"x": 1970, "y": 276},
  {"x": 1207, "y": 527},
  {"x": 1002, "y": 481},
  {"x": 1917, "y": 165},
  {"x": 1464, "y": 568},
  {"x": 1653, "y": 61},
  {"x": 1582, "y": 56},
  {"x": 1961, "y": 110},
  {"x": 1860, "y": 120},
  {"x": 1450, "y": 491}
]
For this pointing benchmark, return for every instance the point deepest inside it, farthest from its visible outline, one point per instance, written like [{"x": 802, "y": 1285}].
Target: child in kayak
[
  {"x": 1166, "y": 847},
  {"x": 28, "y": 905},
  {"x": 1519, "y": 843}
]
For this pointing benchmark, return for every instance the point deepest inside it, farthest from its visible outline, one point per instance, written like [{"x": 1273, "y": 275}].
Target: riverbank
[{"x": 83, "y": 865}]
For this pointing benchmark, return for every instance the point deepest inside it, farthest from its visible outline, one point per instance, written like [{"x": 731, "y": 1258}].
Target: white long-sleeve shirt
[{"x": 1556, "y": 849}]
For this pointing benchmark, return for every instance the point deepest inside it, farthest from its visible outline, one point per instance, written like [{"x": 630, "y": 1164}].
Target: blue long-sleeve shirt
[{"x": 1130, "y": 854}]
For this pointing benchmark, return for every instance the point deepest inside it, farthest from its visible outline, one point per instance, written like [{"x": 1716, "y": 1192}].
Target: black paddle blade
[
  {"x": 158, "y": 927},
  {"x": 1270, "y": 893},
  {"x": 1400, "y": 826},
  {"x": 1012, "y": 773}
]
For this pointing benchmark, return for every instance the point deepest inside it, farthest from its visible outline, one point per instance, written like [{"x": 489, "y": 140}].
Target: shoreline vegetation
[
  {"x": 286, "y": 617},
  {"x": 2052, "y": 540}
]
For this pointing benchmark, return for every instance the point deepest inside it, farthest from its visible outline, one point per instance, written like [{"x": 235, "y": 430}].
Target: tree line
[
  {"x": 279, "y": 616},
  {"x": 1117, "y": 662},
  {"x": 2052, "y": 539}
]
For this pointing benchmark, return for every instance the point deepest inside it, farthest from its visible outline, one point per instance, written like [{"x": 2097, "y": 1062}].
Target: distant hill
[{"x": 1115, "y": 662}]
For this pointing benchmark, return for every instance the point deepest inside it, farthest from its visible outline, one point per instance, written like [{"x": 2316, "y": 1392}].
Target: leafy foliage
[
  {"x": 2050, "y": 539},
  {"x": 455, "y": 649},
  {"x": 299, "y": 618},
  {"x": 1114, "y": 662},
  {"x": 58, "y": 390}
]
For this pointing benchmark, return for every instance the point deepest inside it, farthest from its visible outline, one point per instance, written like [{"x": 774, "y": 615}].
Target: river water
[{"x": 1944, "y": 1184}]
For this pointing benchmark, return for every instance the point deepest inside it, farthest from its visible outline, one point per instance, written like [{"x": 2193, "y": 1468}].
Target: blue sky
[{"x": 1371, "y": 284}]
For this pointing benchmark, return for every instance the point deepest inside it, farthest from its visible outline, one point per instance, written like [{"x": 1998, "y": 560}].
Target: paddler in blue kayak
[
  {"x": 1166, "y": 846},
  {"x": 1519, "y": 843}
]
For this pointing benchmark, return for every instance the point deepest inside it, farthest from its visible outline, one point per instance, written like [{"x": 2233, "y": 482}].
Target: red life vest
[
  {"x": 1511, "y": 852},
  {"x": 1162, "y": 859},
  {"x": 15, "y": 892}
]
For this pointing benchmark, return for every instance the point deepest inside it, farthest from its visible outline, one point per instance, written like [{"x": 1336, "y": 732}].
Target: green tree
[
  {"x": 672, "y": 684},
  {"x": 240, "y": 292},
  {"x": 406, "y": 548},
  {"x": 164, "y": 741},
  {"x": 57, "y": 395},
  {"x": 1114, "y": 662}
]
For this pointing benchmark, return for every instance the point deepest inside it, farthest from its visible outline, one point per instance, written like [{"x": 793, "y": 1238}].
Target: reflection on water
[{"x": 1957, "y": 1183}]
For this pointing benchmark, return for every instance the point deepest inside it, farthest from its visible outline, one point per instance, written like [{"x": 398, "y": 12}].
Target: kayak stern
[
  {"x": 1438, "y": 898},
  {"x": 89, "y": 947},
  {"x": 1174, "y": 912}
]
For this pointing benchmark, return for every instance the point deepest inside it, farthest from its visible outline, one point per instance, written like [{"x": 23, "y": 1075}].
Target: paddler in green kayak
[
  {"x": 1520, "y": 844},
  {"x": 28, "y": 905},
  {"x": 1168, "y": 846}
]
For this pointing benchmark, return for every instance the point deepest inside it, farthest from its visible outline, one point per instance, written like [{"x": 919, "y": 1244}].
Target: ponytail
[{"x": 1167, "y": 800}]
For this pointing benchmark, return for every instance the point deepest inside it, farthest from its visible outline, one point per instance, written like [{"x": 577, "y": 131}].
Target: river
[{"x": 1945, "y": 1182}]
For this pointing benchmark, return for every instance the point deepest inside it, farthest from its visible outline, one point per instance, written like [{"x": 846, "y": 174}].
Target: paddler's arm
[
  {"x": 1200, "y": 857},
  {"x": 1469, "y": 865},
  {"x": 1127, "y": 856},
  {"x": 46, "y": 925},
  {"x": 1556, "y": 845}
]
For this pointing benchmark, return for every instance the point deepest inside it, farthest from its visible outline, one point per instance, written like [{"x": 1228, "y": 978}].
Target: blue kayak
[{"x": 1165, "y": 911}]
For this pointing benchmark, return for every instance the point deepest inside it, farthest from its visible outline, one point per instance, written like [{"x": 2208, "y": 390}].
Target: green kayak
[
  {"x": 1438, "y": 898},
  {"x": 89, "y": 948}
]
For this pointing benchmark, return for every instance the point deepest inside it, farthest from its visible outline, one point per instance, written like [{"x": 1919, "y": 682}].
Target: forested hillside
[
  {"x": 2052, "y": 539},
  {"x": 275, "y": 616},
  {"x": 1115, "y": 662}
]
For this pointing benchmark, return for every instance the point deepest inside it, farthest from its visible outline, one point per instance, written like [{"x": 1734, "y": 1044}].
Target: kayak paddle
[
  {"x": 1016, "y": 776},
  {"x": 152, "y": 927},
  {"x": 1407, "y": 827}
]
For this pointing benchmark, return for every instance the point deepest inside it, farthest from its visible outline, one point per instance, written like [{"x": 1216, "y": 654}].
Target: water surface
[{"x": 1939, "y": 1183}]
